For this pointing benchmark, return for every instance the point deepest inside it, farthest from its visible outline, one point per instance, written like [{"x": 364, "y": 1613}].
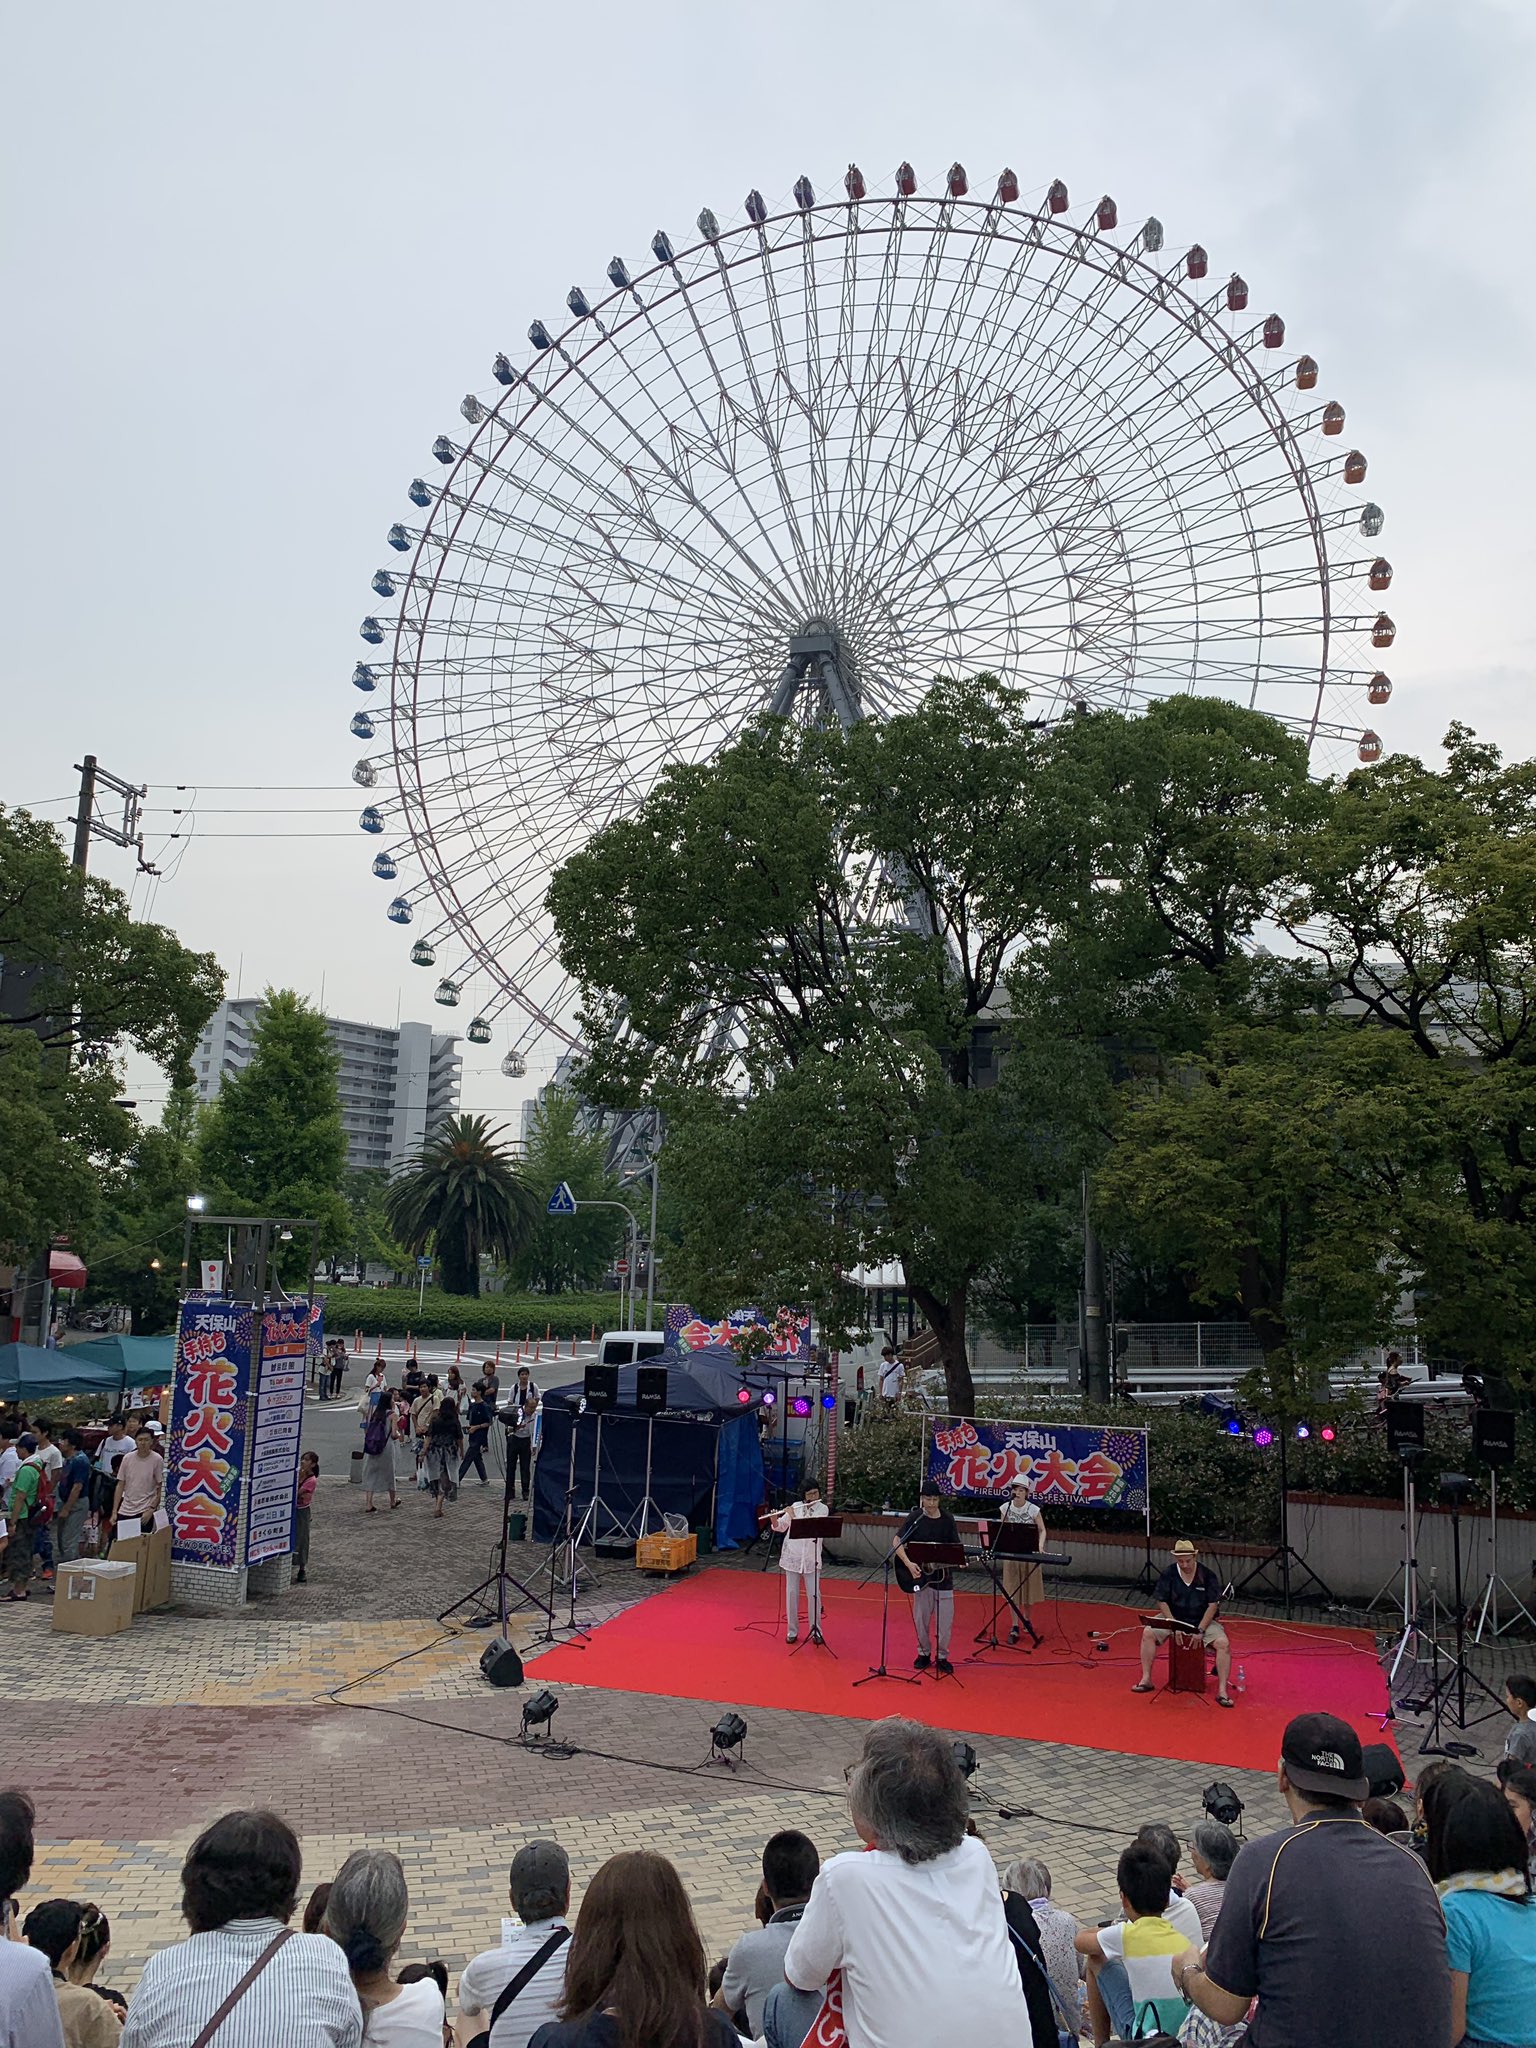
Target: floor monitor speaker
[{"x": 501, "y": 1664}]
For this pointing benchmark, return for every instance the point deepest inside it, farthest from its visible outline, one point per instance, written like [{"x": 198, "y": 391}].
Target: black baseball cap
[{"x": 1321, "y": 1753}]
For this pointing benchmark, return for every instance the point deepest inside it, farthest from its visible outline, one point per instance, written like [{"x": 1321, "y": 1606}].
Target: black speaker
[
  {"x": 600, "y": 1385},
  {"x": 650, "y": 1388},
  {"x": 1493, "y": 1435},
  {"x": 501, "y": 1664},
  {"x": 1383, "y": 1770},
  {"x": 1405, "y": 1426}
]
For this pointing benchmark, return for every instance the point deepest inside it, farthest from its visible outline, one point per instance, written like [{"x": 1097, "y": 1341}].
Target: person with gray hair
[
  {"x": 532, "y": 1958},
  {"x": 914, "y": 1923},
  {"x": 365, "y": 1916},
  {"x": 1029, "y": 1877},
  {"x": 1214, "y": 1849}
]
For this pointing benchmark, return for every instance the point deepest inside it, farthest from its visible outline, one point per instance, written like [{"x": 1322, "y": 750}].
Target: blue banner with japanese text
[
  {"x": 206, "y": 1455},
  {"x": 1070, "y": 1464},
  {"x": 287, "y": 1337}
]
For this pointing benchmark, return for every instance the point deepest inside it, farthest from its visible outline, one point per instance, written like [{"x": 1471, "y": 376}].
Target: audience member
[
  {"x": 1130, "y": 1960},
  {"x": 913, "y": 1926},
  {"x": 1302, "y": 1922},
  {"x": 1519, "y": 1698},
  {"x": 1034, "y": 1979},
  {"x": 314, "y": 1912},
  {"x": 365, "y": 1916},
  {"x": 303, "y": 1513},
  {"x": 1029, "y": 1878},
  {"x": 75, "y": 1938},
  {"x": 445, "y": 1448},
  {"x": 140, "y": 1480},
  {"x": 534, "y": 1959},
  {"x": 1178, "y": 1912},
  {"x": 1213, "y": 1847},
  {"x": 239, "y": 1888},
  {"x": 22, "y": 1507},
  {"x": 1518, "y": 1783},
  {"x": 73, "y": 1504},
  {"x": 1476, "y": 1855},
  {"x": 756, "y": 1961},
  {"x": 636, "y": 1976},
  {"x": 1386, "y": 1817},
  {"x": 29, "y": 2012}
]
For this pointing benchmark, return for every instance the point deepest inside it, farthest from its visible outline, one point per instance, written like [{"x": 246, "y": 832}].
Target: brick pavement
[{"x": 131, "y": 1743}]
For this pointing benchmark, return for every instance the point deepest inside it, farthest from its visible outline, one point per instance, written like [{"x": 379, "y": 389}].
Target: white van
[{"x": 628, "y": 1347}]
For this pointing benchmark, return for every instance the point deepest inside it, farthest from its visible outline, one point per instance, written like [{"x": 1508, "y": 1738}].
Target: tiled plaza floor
[{"x": 346, "y": 1706}]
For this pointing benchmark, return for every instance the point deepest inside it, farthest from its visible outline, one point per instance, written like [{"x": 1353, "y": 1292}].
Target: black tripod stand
[
  {"x": 1289, "y": 1560},
  {"x": 1457, "y": 1675},
  {"x": 501, "y": 1578}
]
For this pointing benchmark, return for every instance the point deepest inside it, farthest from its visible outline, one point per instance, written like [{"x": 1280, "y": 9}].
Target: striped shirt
[{"x": 302, "y": 1999}]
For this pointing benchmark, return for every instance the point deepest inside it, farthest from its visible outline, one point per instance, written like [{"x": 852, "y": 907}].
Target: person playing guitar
[{"x": 932, "y": 1587}]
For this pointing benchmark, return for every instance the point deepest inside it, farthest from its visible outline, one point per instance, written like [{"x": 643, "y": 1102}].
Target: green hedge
[
  {"x": 1204, "y": 1482},
  {"x": 391, "y": 1311}
]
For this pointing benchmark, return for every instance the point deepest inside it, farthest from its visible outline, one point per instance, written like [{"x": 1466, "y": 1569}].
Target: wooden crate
[{"x": 665, "y": 1553}]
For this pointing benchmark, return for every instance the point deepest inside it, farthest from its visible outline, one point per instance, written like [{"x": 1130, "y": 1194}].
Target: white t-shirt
[
  {"x": 487, "y": 1975},
  {"x": 51, "y": 1458},
  {"x": 892, "y": 1373},
  {"x": 113, "y": 1450},
  {"x": 10, "y": 1465},
  {"x": 800, "y": 1553},
  {"x": 923, "y": 1949},
  {"x": 29, "y": 2012},
  {"x": 413, "y": 2020}
]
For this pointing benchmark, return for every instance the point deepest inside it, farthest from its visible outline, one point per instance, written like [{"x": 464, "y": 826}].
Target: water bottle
[{"x": 1242, "y": 1678}]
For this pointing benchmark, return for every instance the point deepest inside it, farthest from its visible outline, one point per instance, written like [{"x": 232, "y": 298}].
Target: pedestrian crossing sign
[{"x": 562, "y": 1202}]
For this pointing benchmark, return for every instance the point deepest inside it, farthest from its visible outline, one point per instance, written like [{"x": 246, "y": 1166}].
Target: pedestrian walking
[
  {"x": 445, "y": 1447},
  {"x": 458, "y": 1389},
  {"x": 304, "y": 1501},
  {"x": 478, "y": 1420},
  {"x": 423, "y": 1408},
  {"x": 338, "y": 1366},
  {"x": 379, "y": 1452}
]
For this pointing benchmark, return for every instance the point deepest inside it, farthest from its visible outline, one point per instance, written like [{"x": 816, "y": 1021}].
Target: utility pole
[
  {"x": 1095, "y": 1334},
  {"x": 130, "y": 833}
]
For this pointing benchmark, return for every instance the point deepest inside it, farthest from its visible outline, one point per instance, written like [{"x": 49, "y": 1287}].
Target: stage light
[
  {"x": 1327, "y": 1432},
  {"x": 1263, "y": 1438},
  {"x": 728, "y": 1733},
  {"x": 1235, "y": 1425},
  {"x": 539, "y": 1712},
  {"x": 1222, "y": 1803},
  {"x": 769, "y": 1397},
  {"x": 965, "y": 1757},
  {"x": 829, "y": 1400},
  {"x": 744, "y": 1395},
  {"x": 1303, "y": 1431},
  {"x": 800, "y": 1405}
]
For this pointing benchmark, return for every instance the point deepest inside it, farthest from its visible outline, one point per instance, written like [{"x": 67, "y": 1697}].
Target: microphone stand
[{"x": 881, "y": 1670}]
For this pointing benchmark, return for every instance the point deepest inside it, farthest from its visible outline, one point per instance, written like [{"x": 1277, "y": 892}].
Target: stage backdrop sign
[
  {"x": 789, "y": 1341},
  {"x": 206, "y": 1458},
  {"x": 285, "y": 1341},
  {"x": 1066, "y": 1463}
]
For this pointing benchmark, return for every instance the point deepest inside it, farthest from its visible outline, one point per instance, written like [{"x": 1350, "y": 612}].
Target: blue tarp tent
[
  {"x": 703, "y": 1443},
  {"x": 28, "y": 1373},
  {"x": 139, "y": 1361}
]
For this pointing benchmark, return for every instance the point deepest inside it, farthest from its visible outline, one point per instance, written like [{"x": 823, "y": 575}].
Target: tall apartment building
[{"x": 397, "y": 1084}]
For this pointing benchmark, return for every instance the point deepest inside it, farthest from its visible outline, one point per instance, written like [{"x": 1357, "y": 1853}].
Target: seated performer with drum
[{"x": 1189, "y": 1594}]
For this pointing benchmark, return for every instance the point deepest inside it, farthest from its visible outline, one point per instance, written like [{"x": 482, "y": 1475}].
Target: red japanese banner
[
  {"x": 1071, "y": 1464},
  {"x": 205, "y": 1457}
]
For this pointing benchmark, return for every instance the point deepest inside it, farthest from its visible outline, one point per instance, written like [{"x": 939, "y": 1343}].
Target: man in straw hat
[{"x": 1189, "y": 1594}]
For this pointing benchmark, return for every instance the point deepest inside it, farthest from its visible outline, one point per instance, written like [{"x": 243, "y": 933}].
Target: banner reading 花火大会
[{"x": 1073, "y": 1464}]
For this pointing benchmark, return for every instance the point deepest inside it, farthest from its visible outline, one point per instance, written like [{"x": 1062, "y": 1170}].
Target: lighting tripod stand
[{"x": 1457, "y": 1675}]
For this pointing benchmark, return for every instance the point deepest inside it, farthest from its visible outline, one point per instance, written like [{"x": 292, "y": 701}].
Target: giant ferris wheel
[{"x": 806, "y": 463}]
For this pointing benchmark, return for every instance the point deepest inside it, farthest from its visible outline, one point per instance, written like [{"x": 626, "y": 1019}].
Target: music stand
[
  {"x": 945, "y": 1556},
  {"x": 1017, "y": 1540},
  {"x": 826, "y": 1527}
]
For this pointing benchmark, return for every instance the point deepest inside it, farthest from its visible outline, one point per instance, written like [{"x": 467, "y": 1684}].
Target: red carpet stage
[{"x": 689, "y": 1642}]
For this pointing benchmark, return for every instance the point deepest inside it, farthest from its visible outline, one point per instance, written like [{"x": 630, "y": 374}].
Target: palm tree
[{"x": 462, "y": 1193}]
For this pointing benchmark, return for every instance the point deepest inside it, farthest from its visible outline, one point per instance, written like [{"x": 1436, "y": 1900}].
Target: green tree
[
  {"x": 369, "y": 1240},
  {"x": 272, "y": 1142},
  {"x": 135, "y": 1255},
  {"x": 563, "y": 1253},
  {"x": 80, "y": 981},
  {"x": 462, "y": 1196},
  {"x": 798, "y": 950}
]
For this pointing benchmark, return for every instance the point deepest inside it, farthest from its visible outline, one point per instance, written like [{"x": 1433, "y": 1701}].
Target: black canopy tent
[{"x": 701, "y": 1452}]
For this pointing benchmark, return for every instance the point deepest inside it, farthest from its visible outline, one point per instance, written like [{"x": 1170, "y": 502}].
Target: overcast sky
[{"x": 254, "y": 258}]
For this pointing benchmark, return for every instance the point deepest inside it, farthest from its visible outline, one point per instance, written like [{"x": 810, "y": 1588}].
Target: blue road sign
[
  {"x": 562, "y": 1202},
  {"x": 423, "y": 1264}
]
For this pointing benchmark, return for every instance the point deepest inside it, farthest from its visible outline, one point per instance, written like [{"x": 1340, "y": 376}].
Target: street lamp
[{"x": 197, "y": 1204}]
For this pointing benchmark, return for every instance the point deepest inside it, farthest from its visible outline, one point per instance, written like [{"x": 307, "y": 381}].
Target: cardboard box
[
  {"x": 150, "y": 1557},
  {"x": 665, "y": 1553},
  {"x": 93, "y": 1598}
]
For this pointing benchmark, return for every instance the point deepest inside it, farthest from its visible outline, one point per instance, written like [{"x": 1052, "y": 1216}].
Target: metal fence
[{"x": 1151, "y": 1358}]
